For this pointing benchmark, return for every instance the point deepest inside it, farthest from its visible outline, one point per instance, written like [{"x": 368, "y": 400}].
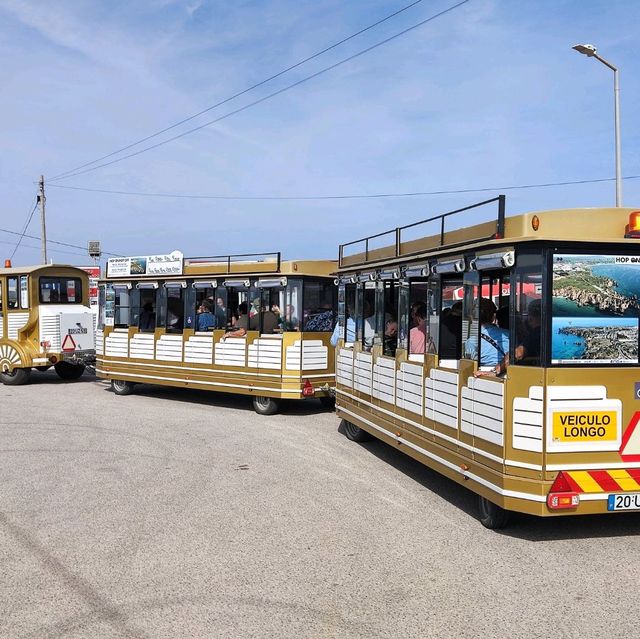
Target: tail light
[
  {"x": 45, "y": 345},
  {"x": 307, "y": 389},
  {"x": 562, "y": 494},
  {"x": 632, "y": 229}
]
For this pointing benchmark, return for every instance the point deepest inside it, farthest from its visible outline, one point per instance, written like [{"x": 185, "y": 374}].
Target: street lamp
[{"x": 590, "y": 51}]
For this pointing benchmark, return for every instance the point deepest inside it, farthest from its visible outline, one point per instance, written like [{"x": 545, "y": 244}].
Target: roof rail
[
  {"x": 397, "y": 240},
  {"x": 236, "y": 263}
]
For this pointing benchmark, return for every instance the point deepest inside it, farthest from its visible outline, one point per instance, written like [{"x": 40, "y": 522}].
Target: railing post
[
  {"x": 501, "y": 214},
  {"x": 366, "y": 250},
  {"x": 442, "y": 230},
  {"x": 398, "y": 240}
]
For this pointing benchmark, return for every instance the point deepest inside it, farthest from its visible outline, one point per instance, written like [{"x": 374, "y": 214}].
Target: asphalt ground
[{"x": 183, "y": 514}]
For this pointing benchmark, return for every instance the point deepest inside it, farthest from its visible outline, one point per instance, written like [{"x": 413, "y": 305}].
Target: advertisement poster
[
  {"x": 170, "y": 264},
  {"x": 595, "y": 309}
]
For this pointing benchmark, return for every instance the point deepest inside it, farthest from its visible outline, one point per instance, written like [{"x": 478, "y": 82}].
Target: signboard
[
  {"x": 595, "y": 309},
  {"x": 76, "y": 332},
  {"x": 94, "y": 276},
  {"x": 170, "y": 264},
  {"x": 94, "y": 249}
]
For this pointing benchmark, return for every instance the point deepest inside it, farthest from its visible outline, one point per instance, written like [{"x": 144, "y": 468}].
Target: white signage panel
[{"x": 170, "y": 264}]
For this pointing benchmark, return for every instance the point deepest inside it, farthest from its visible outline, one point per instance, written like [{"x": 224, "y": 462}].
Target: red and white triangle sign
[
  {"x": 630, "y": 447},
  {"x": 68, "y": 344}
]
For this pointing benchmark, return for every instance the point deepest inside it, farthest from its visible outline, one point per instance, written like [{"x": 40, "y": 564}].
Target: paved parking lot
[{"x": 182, "y": 514}]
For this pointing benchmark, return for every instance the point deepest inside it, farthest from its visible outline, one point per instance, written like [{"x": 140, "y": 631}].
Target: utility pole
[{"x": 43, "y": 223}]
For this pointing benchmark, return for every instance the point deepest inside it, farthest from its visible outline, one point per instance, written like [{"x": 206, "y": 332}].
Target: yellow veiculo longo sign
[{"x": 585, "y": 426}]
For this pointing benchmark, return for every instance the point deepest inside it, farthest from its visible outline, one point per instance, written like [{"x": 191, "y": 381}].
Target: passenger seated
[
  {"x": 451, "y": 332},
  {"x": 419, "y": 341},
  {"x": 494, "y": 341},
  {"x": 147, "y": 318},
  {"x": 206, "y": 320},
  {"x": 528, "y": 350}
]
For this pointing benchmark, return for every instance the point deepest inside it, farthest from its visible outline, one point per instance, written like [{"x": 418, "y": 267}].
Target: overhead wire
[
  {"x": 34, "y": 205},
  {"x": 339, "y": 197},
  {"x": 50, "y": 250},
  {"x": 34, "y": 237},
  {"x": 247, "y": 90},
  {"x": 266, "y": 97}
]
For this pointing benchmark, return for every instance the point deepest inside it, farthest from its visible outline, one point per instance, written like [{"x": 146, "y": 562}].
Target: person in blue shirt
[
  {"x": 350, "y": 334},
  {"x": 206, "y": 319},
  {"x": 494, "y": 341}
]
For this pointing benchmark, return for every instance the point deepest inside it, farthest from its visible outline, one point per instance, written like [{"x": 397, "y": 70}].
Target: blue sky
[{"x": 488, "y": 95}]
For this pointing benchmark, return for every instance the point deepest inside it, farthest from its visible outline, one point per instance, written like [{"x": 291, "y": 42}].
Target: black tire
[
  {"x": 17, "y": 377},
  {"x": 66, "y": 370},
  {"x": 42, "y": 369},
  {"x": 492, "y": 516},
  {"x": 120, "y": 387},
  {"x": 355, "y": 433},
  {"x": 265, "y": 405},
  {"x": 328, "y": 402}
]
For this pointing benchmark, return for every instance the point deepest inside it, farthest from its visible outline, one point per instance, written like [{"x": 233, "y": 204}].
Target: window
[
  {"x": 144, "y": 308},
  {"x": 175, "y": 296},
  {"x": 387, "y": 316},
  {"x": 366, "y": 318},
  {"x": 319, "y": 305},
  {"x": 0, "y": 296},
  {"x": 24, "y": 291},
  {"x": 291, "y": 308},
  {"x": 486, "y": 317},
  {"x": 122, "y": 306},
  {"x": 414, "y": 331},
  {"x": 450, "y": 325},
  {"x": 206, "y": 309},
  {"x": 60, "y": 290},
  {"x": 12, "y": 292}
]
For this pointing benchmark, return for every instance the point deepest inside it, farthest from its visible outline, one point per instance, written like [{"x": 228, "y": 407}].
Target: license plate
[{"x": 629, "y": 501}]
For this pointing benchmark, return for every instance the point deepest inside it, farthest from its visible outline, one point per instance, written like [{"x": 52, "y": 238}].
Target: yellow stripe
[
  {"x": 586, "y": 482},
  {"x": 624, "y": 479}
]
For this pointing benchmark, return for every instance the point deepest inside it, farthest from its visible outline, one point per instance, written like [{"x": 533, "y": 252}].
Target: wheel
[
  {"x": 355, "y": 433},
  {"x": 16, "y": 377},
  {"x": 491, "y": 515},
  {"x": 328, "y": 402},
  {"x": 66, "y": 370},
  {"x": 120, "y": 387},
  {"x": 265, "y": 405},
  {"x": 42, "y": 369}
]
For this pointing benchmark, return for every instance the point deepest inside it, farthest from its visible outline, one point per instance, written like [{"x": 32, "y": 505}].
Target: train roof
[
  {"x": 602, "y": 224},
  {"x": 176, "y": 266},
  {"x": 28, "y": 270}
]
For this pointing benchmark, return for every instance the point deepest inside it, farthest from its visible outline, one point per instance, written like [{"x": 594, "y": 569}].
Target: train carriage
[
  {"x": 174, "y": 321},
  {"x": 503, "y": 354},
  {"x": 45, "y": 321}
]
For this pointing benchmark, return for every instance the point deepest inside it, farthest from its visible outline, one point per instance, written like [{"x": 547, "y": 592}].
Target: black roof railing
[
  {"x": 441, "y": 219},
  {"x": 232, "y": 263}
]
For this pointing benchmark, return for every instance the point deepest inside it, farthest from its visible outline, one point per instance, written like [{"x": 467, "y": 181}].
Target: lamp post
[{"x": 590, "y": 51}]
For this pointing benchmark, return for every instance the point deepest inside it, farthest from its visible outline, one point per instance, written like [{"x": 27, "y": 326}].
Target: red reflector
[
  {"x": 307, "y": 389},
  {"x": 561, "y": 484},
  {"x": 559, "y": 501},
  {"x": 53, "y": 359}
]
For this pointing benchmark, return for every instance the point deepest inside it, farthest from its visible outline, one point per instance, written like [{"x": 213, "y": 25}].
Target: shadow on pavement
[
  {"x": 527, "y": 527},
  {"x": 222, "y": 400}
]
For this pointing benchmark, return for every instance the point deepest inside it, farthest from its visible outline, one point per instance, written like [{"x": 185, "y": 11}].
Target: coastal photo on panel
[{"x": 595, "y": 309}]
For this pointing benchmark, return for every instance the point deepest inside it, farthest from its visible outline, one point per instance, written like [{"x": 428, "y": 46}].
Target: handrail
[
  {"x": 237, "y": 259},
  {"x": 499, "y": 233}
]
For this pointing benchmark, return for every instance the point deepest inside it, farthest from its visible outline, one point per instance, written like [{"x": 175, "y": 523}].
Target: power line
[
  {"x": 240, "y": 93},
  {"x": 26, "y": 225},
  {"x": 34, "y": 237},
  {"x": 340, "y": 197},
  {"x": 37, "y": 248},
  {"x": 267, "y": 97}
]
